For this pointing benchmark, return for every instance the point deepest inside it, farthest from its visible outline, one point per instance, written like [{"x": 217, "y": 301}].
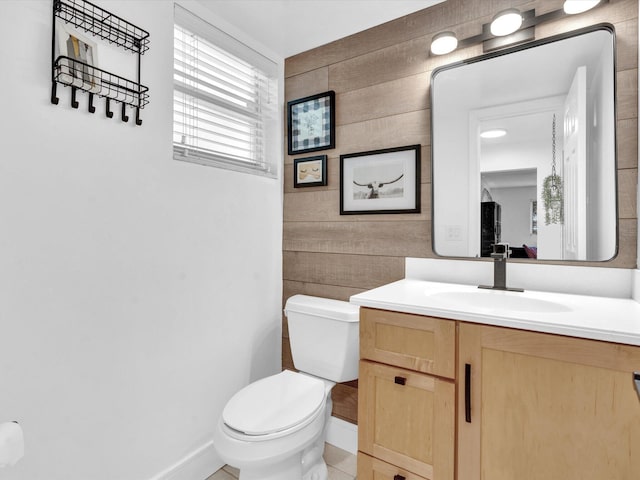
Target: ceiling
[{"x": 289, "y": 27}]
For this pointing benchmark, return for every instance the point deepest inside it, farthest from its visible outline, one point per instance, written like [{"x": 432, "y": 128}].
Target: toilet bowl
[{"x": 274, "y": 428}]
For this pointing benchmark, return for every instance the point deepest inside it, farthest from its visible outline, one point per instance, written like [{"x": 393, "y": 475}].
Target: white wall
[{"x": 137, "y": 293}]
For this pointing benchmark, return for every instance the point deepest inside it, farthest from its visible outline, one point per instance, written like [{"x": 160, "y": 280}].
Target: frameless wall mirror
[{"x": 524, "y": 151}]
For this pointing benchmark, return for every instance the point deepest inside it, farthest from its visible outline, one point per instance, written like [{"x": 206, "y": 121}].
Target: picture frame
[
  {"x": 380, "y": 181},
  {"x": 310, "y": 171},
  {"x": 82, "y": 52},
  {"x": 311, "y": 123}
]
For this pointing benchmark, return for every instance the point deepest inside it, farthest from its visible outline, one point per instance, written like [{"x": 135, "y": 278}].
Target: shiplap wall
[{"x": 381, "y": 78}]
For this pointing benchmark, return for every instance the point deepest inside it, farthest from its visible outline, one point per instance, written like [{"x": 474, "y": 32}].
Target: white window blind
[{"x": 224, "y": 99}]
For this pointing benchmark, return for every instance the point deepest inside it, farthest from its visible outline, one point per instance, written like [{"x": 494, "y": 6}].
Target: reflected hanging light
[
  {"x": 506, "y": 22},
  {"x": 493, "y": 133}
]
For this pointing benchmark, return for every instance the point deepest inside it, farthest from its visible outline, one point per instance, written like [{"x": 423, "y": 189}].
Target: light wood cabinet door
[
  {"x": 370, "y": 468},
  {"x": 546, "y": 407},
  {"x": 407, "y": 419},
  {"x": 415, "y": 342}
]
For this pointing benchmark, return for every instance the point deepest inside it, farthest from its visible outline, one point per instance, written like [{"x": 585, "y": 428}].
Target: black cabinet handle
[
  {"x": 400, "y": 380},
  {"x": 467, "y": 392},
  {"x": 636, "y": 382},
  {"x": 399, "y": 477}
]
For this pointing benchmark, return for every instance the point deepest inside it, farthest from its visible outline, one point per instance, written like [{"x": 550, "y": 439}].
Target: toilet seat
[{"x": 274, "y": 406}]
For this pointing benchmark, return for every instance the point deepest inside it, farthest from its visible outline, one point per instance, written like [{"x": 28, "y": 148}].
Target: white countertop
[{"x": 599, "y": 318}]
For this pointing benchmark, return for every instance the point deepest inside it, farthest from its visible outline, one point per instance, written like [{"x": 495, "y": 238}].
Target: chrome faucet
[{"x": 500, "y": 254}]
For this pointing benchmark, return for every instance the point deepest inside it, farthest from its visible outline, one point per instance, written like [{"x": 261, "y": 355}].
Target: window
[{"x": 225, "y": 99}]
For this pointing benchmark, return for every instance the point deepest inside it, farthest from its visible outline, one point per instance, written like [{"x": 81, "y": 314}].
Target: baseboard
[
  {"x": 204, "y": 461},
  {"x": 342, "y": 434},
  {"x": 197, "y": 465}
]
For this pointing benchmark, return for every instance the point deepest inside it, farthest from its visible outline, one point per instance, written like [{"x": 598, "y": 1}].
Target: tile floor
[{"x": 342, "y": 466}]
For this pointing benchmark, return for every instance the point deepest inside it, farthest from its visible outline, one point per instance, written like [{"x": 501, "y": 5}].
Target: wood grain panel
[
  {"x": 395, "y": 239},
  {"x": 324, "y": 206},
  {"x": 361, "y": 271},
  {"x": 413, "y": 128},
  {"x": 627, "y": 43},
  {"x": 292, "y": 287},
  {"x": 391, "y": 63},
  {"x": 406, "y": 94},
  {"x": 345, "y": 402},
  {"x": 306, "y": 84},
  {"x": 287, "y": 359},
  {"x": 627, "y": 142},
  {"x": 627, "y": 92},
  {"x": 627, "y": 198}
]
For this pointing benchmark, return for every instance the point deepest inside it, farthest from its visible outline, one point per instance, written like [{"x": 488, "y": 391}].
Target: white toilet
[{"x": 274, "y": 429}]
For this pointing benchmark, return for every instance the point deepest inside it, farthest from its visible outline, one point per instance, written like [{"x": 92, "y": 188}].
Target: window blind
[{"x": 224, "y": 101}]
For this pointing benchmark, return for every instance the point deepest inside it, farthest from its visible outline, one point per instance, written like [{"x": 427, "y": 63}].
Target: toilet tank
[{"x": 324, "y": 337}]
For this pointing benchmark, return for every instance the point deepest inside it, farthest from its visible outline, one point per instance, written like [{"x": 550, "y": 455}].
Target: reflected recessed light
[
  {"x": 578, "y": 6},
  {"x": 443, "y": 43},
  {"x": 506, "y": 22},
  {"x": 493, "y": 133}
]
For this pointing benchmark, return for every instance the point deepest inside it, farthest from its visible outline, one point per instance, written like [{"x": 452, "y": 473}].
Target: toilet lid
[{"x": 274, "y": 403}]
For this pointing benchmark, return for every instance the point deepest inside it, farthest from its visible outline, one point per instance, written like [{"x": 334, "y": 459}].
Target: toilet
[{"x": 274, "y": 429}]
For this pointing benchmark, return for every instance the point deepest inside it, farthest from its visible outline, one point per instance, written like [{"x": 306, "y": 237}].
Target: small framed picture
[
  {"x": 311, "y": 123},
  {"x": 380, "y": 181},
  {"x": 81, "y": 53},
  {"x": 310, "y": 171}
]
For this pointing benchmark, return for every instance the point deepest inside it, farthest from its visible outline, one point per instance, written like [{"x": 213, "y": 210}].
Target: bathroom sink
[{"x": 494, "y": 300}]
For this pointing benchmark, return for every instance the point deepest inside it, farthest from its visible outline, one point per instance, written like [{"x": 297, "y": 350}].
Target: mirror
[{"x": 523, "y": 151}]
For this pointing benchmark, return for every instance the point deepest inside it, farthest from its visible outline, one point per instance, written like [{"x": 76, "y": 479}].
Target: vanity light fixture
[
  {"x": 506, "y": 22},
  {"x": 493, "y": 133},
  {"x": 443, "y": 43},
  {"x": 572, "y": 7},
  {"x": 509, "y": 27}
]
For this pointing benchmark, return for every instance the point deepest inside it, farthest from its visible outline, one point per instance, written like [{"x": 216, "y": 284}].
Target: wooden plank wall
[{"x": 381, "y": 78}]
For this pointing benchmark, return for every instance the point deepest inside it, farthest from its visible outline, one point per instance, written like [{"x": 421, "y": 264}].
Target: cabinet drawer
[
  {"x": 370, "y": 468},
  {"x": 425, "y": 344},
  {"x": 407, "y": 419}
]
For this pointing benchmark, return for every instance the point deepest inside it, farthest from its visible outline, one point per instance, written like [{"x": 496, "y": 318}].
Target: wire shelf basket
[
  {"x": 73, "y": 73},
  {"x": 82, "y": 76},
  {"x": 103, "y": 24}
]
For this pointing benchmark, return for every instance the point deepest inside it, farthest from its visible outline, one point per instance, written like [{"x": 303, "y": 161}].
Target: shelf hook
[
  {"x": 108, "y": 108},
  {"x": 124, "y": 113},
  {"x": 138, "y": 119},
  {"x": 92, "y": 109},
  {"x": 74, "y": 102},
  {"x": 54, "y": 96}
]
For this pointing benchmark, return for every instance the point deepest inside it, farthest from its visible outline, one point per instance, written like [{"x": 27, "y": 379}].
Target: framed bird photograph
[{"x": 380, "y": 181}]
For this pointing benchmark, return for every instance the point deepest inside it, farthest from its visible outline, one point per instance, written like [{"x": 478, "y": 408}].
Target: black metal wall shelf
[{"x": 82, "y": 76}]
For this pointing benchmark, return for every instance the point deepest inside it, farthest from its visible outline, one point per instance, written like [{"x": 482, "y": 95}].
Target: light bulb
[
  {"x": 443, "y": 43},
  {"x": 506, "y": 22},
  {"x": 578, "y": 6}
]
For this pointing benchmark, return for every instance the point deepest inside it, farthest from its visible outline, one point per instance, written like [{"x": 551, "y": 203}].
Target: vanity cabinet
[
  {"x": 406, "y": 406},
  {"x": 535, "y": 406},
  {"x": 442, "y": 399}
]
